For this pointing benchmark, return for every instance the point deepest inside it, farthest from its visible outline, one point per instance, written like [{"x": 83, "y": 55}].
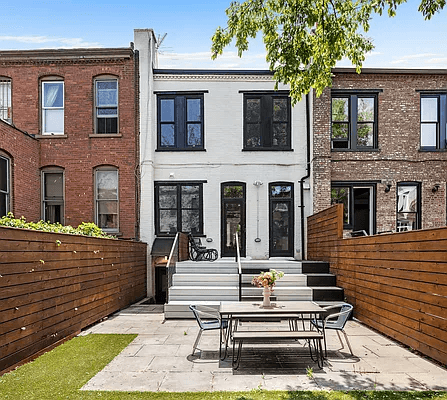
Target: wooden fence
[
  {"x": 53, "y": 285},
  {"x": 397, "y": 282}
]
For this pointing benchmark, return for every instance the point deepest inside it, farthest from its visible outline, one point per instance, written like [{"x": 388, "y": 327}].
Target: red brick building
[
  {"x": 379, "y": 147},
  {"x": 69, "y": 137}
]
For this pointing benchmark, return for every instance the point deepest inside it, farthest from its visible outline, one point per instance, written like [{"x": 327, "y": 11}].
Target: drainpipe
[{"x": 303, "y": 242}]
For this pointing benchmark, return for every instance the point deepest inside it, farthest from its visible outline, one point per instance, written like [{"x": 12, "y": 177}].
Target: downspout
[
  {"x": 303, "y": 242},
  {"x": 137, "y": 142}
]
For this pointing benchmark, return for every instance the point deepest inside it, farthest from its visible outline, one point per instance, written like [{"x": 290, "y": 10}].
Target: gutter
[{"x": 308, "y": 131}]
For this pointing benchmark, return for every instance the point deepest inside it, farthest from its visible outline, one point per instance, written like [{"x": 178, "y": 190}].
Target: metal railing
[
  {"x": 238, "y": 260},
  {"x": 171, "y": 265}
]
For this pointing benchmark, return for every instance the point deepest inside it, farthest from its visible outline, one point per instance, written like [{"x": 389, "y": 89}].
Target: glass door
[
  {"x": 281, "y": 219},
  {"x": 233, "y": 218}
]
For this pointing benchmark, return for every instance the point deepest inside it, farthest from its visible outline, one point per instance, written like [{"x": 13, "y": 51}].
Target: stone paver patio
[{"x": 160, "y": 359}]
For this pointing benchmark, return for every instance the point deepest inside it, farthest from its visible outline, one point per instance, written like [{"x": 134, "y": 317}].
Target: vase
[{"x": 267, "y": 293}]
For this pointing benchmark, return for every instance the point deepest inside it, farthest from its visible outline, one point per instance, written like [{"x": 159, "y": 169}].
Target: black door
[
  {"x": 362, "y": 207},
  {"x": 233, "y": 218},
  {"x": 281, "y": 219}
]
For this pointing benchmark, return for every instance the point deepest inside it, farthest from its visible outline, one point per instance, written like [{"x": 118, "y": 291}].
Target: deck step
[{"x": 322, "y": 293}]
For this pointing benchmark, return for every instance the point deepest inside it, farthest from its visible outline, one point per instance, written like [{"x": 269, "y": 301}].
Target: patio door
[
  {"x": 233, "y": 218},
  {"x": 281, "y": 219}
]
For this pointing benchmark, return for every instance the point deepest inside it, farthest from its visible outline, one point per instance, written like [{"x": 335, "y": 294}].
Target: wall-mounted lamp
[
  {"x": 172, "y": 175},
  {"x": 388, "y": 187},
  {"x": 435, "y": 188},
  {"x": 257, "y": 183}
]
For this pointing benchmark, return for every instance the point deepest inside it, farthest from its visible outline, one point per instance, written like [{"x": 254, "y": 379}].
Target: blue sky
[{"x": 406, "y": 41}]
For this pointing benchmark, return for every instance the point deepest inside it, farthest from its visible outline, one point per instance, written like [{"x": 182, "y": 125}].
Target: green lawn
[{"x": 60, "y": 373}]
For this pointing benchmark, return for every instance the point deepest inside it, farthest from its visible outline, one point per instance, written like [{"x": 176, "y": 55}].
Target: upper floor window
[
  {"x": 267, "y": 123},
  {"x": 106, "y": 199},
  {"x": 433, "y": 121},
  {"x": 354, "y": 121},
  {"x": 106, "y": 103},
  {"x": 5, "y": 184},
  {"x": 179, "y": 207},
  {"x": 52, "y": 107},
  {"x": 180, "y": 122},
  {"x": 53, "y": 196},
  {"x": 5, "y": 100},
  {"x": 408, "y": 206}
]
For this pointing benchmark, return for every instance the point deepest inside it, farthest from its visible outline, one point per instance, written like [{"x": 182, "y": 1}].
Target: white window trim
[
  {"x": 43, "y": 108},
  {"x": 52, "y": 171},
  {"x": 8, "y": 106},
  {"x": 102, "y": 169},
  {"x": 95, "y": 117}
]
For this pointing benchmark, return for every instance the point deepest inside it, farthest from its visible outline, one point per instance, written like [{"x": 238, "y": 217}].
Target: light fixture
[
  {"x": 257, "y": 183},
  {"x": 388, "y": 187},
  {"x": 435, "y": 188},
  {"x": 171, "y": 175}
]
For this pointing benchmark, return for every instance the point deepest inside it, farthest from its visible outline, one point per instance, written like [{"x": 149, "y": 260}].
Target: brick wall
[
  {"x": 398, "y": 158},
  {"x": 79, "y": 151},
  {"x": 22, "y": 150}
]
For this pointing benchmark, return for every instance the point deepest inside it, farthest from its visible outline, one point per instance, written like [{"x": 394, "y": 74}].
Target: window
[
  {"x": 5, "y": 100},
  {"x": 106, "y": 199},
  {"x": 53, "y": 196},
  {"x": 52, "y": 108},
  {"x": 408, "y": 206},
  {"x": 281, "y": 235},
  {"x": 180, "y": 122},
  {"x": 433, "y": 121},
  {"x": 106, "y": 106},
  {"x": 179, "y": 208},
  {"x": 358, "y": 201},
  {"x": 4, "y": 185},
  {"x": 267, "y": 121},
  {"x": 354, "y": 121}
]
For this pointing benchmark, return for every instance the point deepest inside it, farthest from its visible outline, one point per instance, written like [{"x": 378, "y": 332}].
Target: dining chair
[
  {"x": 208, "y": 319},
  {"x": 335, "y": 321}
]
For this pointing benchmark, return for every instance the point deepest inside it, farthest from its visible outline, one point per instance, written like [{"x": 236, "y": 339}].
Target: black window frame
[
  {"x": 98, "y": 200},
  {"x": 266, "y": 136},
  {"x": 418, "y": 211},
  {"x": 6, "y": 193},
  {"x": 181, "y": 121},
  {"x": 356, "y": 185},
  {"x": 179, "y": 208},
  {"x": 352, "y": 122},
  {"x": 441, "y": 123}
]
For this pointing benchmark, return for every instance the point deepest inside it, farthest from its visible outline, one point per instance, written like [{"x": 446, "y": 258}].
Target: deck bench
[{"x": 274, "y": 337}]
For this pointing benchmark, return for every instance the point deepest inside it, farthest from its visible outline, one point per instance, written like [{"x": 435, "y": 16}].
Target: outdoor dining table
[{"x": 291, "y": 310}]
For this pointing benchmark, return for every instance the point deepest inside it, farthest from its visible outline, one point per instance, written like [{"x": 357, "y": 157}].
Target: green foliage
[
  {"x": 84, "y": 229},
  {"x": 304, "y": 39}
]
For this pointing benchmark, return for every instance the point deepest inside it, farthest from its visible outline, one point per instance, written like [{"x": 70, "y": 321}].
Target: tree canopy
[{"x": 305, "y": 38}]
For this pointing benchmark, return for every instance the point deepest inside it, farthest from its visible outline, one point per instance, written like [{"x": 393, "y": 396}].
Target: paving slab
[{"x": 160, "y": 359}]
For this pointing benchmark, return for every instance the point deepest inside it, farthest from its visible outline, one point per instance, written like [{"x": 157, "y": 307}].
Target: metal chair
[
  {"x": 336, "y": 321},
  {"x": 197, "y": 252},
  {"x": 212, "y": 322}
]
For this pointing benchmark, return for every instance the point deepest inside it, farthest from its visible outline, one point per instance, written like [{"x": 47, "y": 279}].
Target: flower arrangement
[{"x": 267, "y": 279}]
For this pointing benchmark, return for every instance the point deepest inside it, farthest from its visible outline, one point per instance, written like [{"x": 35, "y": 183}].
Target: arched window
[
  {"x": 5, "y": 184},
  {"x": 5, "y": 100},
  {"x": 106, "y": 105},
  {"x": 53, "y": 195},
  {"x": 107, "y": 198},
  {"x": 52, "y": 94}
]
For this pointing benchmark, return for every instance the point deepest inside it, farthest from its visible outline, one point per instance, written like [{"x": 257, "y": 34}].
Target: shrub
[{"x": 84, "y": 229}]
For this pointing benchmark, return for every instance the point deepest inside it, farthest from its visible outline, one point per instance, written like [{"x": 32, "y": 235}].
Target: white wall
[{"x": 224, "y": 159}]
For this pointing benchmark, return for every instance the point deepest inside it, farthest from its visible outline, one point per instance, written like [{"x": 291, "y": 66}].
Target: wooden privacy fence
[
  {"x": 53, "y": 285},
  {"x": 397, "y": 282}
]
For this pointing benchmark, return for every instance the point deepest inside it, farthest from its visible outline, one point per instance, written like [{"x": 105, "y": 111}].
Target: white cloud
[
  {"x": 57, "y": 42},
  {"x": 202, "y": 60}
]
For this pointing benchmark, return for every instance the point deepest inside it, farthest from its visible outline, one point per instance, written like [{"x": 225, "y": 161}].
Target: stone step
[
  {"x": 321, "y": 279},
  {"x": 314, "y": 267},
  {"x": 286, "y": 280},
  {"x": 324, "y": 293},
  {"x": 209, "y": 280},
  {"x": 203, "y": 293}
]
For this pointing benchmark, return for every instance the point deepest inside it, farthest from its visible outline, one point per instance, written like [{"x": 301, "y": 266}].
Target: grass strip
[{"x": 60, "y": 373}]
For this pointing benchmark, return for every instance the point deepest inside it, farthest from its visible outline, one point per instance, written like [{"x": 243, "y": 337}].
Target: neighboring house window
[
  {"x": 53, "y": 196},
  {"x": 106, "y": 105},
  {"x": 180, "y": 122},
  {"x": 433, "y": 121},
  {"x": 267, "y": 123},
  {"x": 179, "y": 208},
  {"x": 358, "y": 199},
  {"x": 5, "y": 185},
  {"x": 354, "y": 121},
  {"x": 107, "y": 199},
  {"x": 5, "y": 100},
  {"x": 408, "y": 206},
  {"x": 52, "y": 107}
]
